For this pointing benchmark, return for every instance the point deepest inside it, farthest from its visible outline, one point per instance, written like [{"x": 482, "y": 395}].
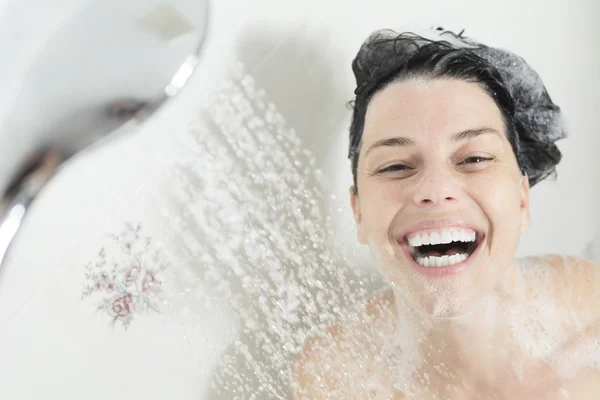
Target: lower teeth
[{"x": 442, "y": 261}]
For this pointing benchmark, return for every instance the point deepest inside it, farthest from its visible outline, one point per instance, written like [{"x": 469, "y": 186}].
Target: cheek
[
  {"x": 381, "y": 203},
  {"x": 500, "y": 199}
]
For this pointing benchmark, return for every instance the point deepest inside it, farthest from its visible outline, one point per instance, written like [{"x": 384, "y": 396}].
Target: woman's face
[{"x": 441, "y": 201}]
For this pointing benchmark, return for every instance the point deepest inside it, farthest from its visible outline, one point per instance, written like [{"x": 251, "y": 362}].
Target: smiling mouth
[{"x": 443, "y": 248}]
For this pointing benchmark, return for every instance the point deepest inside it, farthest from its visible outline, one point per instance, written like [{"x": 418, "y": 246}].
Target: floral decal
[{"x": 125, "y": 277}]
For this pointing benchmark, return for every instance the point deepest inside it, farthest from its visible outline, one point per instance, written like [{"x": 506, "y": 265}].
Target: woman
[{"x": 446, "y": 140}]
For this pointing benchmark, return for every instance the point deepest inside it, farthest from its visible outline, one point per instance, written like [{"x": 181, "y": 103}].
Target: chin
[{"x": 439, "y": 301}]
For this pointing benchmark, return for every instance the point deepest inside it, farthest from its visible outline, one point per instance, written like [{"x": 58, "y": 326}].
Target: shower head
[{"x": 83, "y": 73}]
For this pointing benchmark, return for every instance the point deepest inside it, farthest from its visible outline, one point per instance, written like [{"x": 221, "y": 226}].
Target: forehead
[{"x": 436, "y": 107}]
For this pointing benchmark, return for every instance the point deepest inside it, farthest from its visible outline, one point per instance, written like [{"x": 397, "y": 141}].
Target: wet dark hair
[{"x": 532, "y": 121}]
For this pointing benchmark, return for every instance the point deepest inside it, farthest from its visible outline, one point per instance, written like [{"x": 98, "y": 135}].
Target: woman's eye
[
  {"x": 476, "y": 160},
  {"x": 394, "y": 168}
]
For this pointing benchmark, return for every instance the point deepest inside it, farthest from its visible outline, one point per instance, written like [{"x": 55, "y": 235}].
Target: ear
[
  {"x": 525, "y": 215},
  {"x": 355, "y": 202}
]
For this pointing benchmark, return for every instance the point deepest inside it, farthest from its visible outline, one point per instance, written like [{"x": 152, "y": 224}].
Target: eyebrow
[{"x": 400, "y": 141}]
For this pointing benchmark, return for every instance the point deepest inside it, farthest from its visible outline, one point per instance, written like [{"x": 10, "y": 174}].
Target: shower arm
[
  {"x": 39, "y": 169},
  {"x": 21, "y": 192}
]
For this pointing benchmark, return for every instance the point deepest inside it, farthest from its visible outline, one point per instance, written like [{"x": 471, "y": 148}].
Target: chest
[{"x": 585, "y": 385}]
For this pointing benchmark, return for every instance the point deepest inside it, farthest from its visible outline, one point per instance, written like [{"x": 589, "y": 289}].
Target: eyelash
[
  {"x": 391, "y": 168},
  {"x": 481, "y": 159}
]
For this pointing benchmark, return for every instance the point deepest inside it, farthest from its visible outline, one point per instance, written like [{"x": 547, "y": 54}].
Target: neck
[{"x": 478, "y": 343}]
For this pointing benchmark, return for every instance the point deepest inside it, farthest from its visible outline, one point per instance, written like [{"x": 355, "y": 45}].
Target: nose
[{"x": 436, "y": 187}]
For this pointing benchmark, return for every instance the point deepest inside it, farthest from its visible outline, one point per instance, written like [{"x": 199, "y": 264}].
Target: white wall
[{"x": 300, "y": 53}]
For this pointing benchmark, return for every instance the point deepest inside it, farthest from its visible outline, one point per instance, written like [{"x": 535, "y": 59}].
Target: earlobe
[
  {"x": 354, "y": 200},
  {"x": 525, "y": 214},
  {"x": 355, "y": 205}
]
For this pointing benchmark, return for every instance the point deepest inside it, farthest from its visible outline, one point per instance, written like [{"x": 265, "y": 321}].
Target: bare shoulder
[
  {"x": 577, "y": 283},
  {"x": 336, "y": 363},
  {"x": 568, "y": 261},
  {"x": 564, "y": 270},
  {"x": 573, "y": 281}
]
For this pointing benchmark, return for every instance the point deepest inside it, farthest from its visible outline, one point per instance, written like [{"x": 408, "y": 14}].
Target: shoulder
[
  {"x": 562, "y": 261},
  {"x": 326, "y": 366},
  {"x": 563, "y": 270},
  {"x": 572, "y": 281},
  {"x": 577, "y": 284}
]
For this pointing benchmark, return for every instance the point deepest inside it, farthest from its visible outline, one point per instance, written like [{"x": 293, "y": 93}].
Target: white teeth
[
  {"x": 417, "y": 241},
  {"x": 455, "y": 235},
  {"x": 442, "y": 261},
  {"x": 442, "y": 237},
  {"x": 446, "y": 237},
  {"x": 435, "y": 238},
  {"x": 468, "y": 236}
]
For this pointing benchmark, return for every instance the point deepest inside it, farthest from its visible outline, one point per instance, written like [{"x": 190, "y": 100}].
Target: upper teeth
[{"x": 443, "y": 236}]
